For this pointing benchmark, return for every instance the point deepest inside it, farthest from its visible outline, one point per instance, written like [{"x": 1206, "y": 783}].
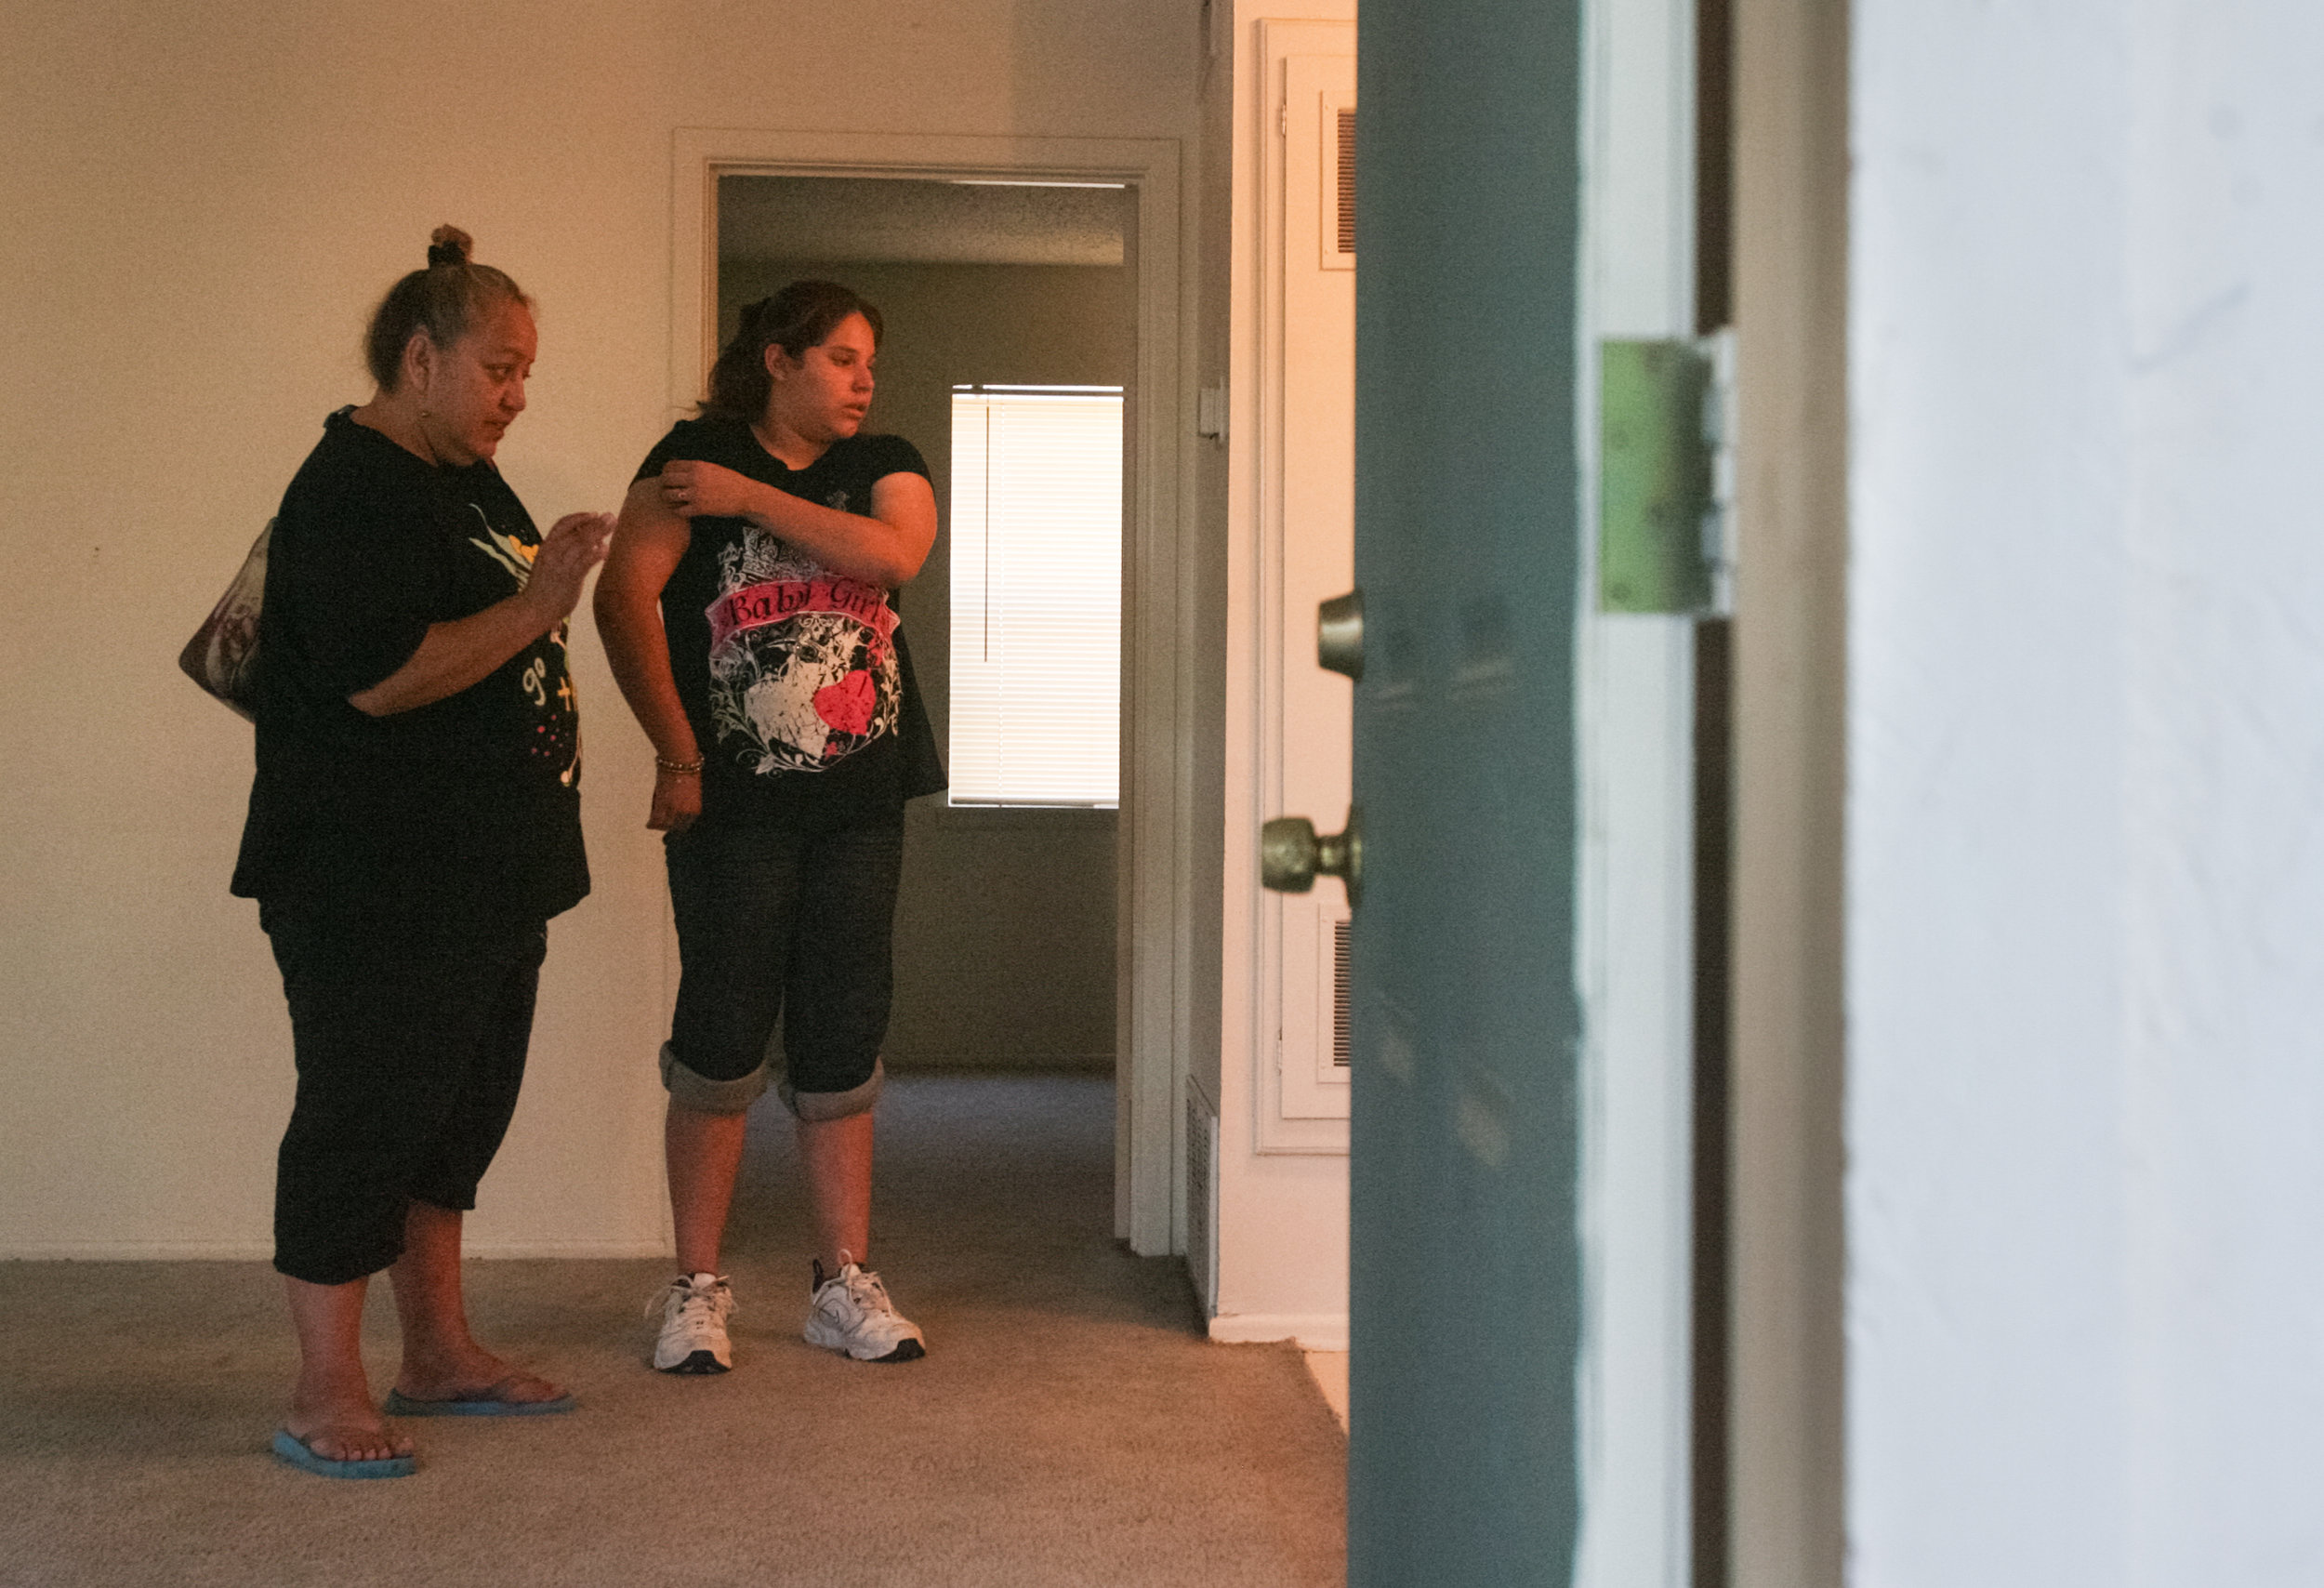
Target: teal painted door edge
[{"x": 1465, "y": 1264}]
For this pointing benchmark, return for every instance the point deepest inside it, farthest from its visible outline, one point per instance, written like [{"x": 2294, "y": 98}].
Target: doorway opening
[
  {"x": 1160, "y": 901},
  {"x": 999, "y": 294},
  {"x": 1086, "y": 201}
]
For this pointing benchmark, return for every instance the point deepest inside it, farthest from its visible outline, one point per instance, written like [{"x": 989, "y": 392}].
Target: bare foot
[
  {"x": 474, "y": 1373},
  {"x": 346, "y": 1431}
]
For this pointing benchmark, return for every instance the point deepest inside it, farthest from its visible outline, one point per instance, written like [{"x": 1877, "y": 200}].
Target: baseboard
[
  {"x": 1313, "y": 1331},
  {"x": 136, "y": 1252},
  {"x": 261, "y": 1251},
  {"x": 576, "y": 1250}
]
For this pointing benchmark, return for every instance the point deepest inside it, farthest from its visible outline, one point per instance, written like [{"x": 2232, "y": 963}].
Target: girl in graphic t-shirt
[{"x": 746, "y": 608}]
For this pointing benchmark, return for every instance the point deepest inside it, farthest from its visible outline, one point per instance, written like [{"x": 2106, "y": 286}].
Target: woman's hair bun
[
  {"x": 449, "y": 245},
  {"x": 441, "y": 302}
]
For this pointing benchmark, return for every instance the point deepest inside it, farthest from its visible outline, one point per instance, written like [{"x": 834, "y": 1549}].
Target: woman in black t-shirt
[
  {"x": 414, "y": 823},
  {"x": 747, "y": 612}
]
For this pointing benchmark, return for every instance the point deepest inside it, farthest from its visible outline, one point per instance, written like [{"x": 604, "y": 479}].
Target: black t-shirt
[
  {"x": 464, "y": 811},
  {"x": 797, "y": 681}
]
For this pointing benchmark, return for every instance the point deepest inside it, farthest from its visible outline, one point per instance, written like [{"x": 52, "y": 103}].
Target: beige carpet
[{"x": 1070, "y": 1426}]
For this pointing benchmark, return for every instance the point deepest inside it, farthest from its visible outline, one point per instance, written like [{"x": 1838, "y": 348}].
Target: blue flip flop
[
  {"x": 290, "y": 1447},
  {"x": 486, "y": 1402}
]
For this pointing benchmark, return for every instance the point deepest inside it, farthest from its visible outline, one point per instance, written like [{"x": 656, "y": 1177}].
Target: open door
[
  {"x": 1522, "y": 784},
  {"x": 1466, "y": 1303}
]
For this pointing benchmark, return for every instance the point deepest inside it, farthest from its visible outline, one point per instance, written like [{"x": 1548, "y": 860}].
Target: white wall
[
  {"x": 204, "y": 202},
  {"x": 2086, "y": 943}
]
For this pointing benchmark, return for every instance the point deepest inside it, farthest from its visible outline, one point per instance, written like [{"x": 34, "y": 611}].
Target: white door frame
[
  {"x": 1635, "y": 723},
  {"x": 1157, "y": 924}
]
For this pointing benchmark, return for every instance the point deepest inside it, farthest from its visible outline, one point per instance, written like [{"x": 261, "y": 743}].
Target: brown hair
[
  {"x": 801, "y": 316},
  {"x": 444, "y": 300}
]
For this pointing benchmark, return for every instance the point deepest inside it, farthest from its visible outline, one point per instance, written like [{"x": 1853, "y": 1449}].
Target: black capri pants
[
  {"x": 789, "y": 923},
  {"x": 410, "y": 1043}
]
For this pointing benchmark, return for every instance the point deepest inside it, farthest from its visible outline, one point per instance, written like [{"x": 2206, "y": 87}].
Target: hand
[
  {"x": 573, "y": 545},
  {"x": 694, "y": 489},
  {"x": 677, "y": 802}
]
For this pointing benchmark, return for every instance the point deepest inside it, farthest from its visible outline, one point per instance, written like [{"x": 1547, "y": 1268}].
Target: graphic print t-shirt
[
  {"x": 796, "y": 678},
  {"x": 465, "y": 809}
]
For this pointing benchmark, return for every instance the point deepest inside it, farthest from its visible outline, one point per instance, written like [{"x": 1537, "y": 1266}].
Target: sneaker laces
[
  {"x": 865, "y": 1289},
  {"x": 859, "y": 1284},
  {"x": 715, "y": 1299}
]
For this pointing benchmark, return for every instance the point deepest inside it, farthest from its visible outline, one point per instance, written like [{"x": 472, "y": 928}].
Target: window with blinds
[{"x": 1036, "y": 595}]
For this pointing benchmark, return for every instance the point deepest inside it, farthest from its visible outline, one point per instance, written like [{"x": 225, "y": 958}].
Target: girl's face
[
  {"x": 824, "y": 395},
  {"x": 474, "y": 389}
]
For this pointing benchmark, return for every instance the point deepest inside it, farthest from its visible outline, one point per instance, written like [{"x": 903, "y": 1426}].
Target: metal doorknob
[
  {"x": 1291, "y": 856},
  {"x": 1339, "y": 635}
]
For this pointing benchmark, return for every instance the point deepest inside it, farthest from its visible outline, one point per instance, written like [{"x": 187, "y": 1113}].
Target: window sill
[{"x": 1014, "y": 818}]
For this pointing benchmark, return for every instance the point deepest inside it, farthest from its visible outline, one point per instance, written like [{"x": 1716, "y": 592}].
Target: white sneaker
[
  {"x": 694, "y": 1326},
  {"x": 850, "y": 1311}
]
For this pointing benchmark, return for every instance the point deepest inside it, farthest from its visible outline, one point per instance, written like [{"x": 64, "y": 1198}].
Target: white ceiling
[{"x": 881, "y": 220}]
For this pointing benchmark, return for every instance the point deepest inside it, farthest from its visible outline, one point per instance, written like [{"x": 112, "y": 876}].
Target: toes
[
  {"x": 510, "y": 1386},
  {"x": 528, "y": 1389},
  {"x": 354, "y": 1446},
  {"x": 357, "y": 1441},
  {"x": 518, "y": 1387}
]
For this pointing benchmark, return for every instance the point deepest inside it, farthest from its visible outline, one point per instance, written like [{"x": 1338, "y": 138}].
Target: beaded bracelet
[{"x": 679, "y": 767}]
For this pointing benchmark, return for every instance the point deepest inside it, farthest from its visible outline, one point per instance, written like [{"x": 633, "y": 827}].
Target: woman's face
[
  {"x": 824, "y": 395},
  {"x": 474, "y": 389}
]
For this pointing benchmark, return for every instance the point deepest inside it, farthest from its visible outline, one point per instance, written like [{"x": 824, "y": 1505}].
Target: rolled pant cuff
[
  {"x": 704, "y": 1095},
  {"x": 817, "y": 1107},
  {"x": 334, "y": 1268}
]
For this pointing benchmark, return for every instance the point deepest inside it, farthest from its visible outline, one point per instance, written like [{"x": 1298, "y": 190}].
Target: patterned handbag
[{"x": 223, "y": 654}]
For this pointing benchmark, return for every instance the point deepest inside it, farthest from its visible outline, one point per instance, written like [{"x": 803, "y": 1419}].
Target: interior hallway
[{"x": 1071, "y": 1425}]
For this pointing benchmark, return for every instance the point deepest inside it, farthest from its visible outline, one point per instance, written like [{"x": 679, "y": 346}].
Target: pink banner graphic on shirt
[{"x": 755, "y": 606}]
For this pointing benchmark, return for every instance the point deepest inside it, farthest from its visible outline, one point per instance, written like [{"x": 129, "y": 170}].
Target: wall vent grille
[
  {"x": 1202, "y": 1223},
  {"x": 1341, "y": 1016},
  {"x": 1347, "y": 181}
]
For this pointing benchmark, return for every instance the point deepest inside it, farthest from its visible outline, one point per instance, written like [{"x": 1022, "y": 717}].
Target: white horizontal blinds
[{"x": 1036, "y": 596}]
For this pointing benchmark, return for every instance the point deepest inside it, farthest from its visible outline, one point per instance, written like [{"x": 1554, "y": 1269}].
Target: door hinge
[{"x": 1665, "y": 475}]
